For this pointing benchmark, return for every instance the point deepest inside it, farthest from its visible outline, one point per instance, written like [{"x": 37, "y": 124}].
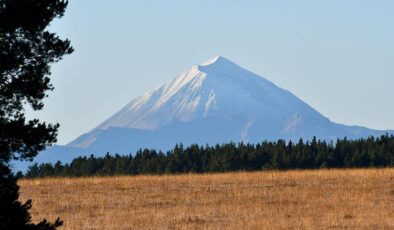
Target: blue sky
[{"x": 338, "y": 55}]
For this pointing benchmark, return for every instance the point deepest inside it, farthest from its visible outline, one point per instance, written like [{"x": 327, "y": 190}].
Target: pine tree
[{"x": 26, "y": 52}]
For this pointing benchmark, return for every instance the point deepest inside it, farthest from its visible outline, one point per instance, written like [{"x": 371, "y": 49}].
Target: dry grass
[{"x": 323, "y": 199}]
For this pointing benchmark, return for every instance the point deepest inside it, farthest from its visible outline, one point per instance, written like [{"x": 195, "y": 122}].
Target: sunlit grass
[{"x": 321, "y": 199}]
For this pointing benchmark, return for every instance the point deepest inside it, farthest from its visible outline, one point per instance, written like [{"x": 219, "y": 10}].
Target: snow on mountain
[
  {"x": 215, "y": 102},
  {"x": 217, "y": 88}
]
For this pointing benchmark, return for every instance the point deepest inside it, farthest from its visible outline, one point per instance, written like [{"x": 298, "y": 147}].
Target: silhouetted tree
[{"x": 26, "y": 52}]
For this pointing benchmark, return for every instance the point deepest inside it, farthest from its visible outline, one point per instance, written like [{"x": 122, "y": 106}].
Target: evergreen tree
[
  {"x": 26, "y": 52},
  {"x": 232, "y": 157}
]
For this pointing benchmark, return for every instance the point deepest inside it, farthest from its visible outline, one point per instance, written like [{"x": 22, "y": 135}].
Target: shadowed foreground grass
[{"x": 321, "y": 199}]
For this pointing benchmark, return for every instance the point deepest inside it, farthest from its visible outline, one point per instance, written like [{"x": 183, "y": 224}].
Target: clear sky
[{"x": 337, "y": 55}]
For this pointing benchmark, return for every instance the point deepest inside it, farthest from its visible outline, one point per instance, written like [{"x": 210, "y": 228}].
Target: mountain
[{"x": 215, "y": 102}]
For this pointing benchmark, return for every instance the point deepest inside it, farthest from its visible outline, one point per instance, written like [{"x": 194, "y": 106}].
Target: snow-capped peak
[
  {"x": 215, "y": 60},
  {"x": 216, "y": 88},
  {"x": 219, "y": 64},
  {"x": 215, "y": 102}
]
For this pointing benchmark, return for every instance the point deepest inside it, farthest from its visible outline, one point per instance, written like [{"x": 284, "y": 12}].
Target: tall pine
[{"x": 26, "y": 51}]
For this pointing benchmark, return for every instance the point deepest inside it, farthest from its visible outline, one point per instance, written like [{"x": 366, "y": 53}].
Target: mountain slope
[
  {"x": 217, "y": 89},
  {"x": 212, "y": 103}
]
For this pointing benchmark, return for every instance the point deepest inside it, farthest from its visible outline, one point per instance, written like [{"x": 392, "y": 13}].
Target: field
[{"x": 321, "y": 199}]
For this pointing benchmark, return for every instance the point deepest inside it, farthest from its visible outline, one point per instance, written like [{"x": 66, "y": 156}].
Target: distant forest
[{"x": 279, "y": 155}]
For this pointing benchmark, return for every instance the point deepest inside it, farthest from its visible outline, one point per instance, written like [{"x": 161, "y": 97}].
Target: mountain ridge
[
  {"x": 211, "y": 103},
  {"x": 219, "y": 89},
  {"x": 190, "y": 84}
]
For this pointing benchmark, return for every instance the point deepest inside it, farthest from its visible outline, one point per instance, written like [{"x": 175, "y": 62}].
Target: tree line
[{"x": 281, "y": 155}]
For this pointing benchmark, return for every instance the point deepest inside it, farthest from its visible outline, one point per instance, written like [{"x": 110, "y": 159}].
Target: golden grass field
[{"x": 321, "y": 199}]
